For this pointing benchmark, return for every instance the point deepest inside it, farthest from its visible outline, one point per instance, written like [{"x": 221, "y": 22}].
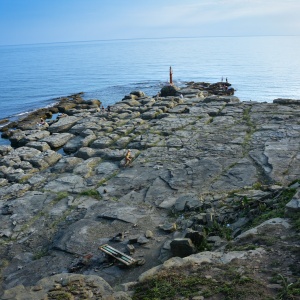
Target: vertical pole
[{"x": 171, "y": 73}]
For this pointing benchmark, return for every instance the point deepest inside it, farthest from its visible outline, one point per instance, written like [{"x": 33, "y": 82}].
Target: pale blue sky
[{"x": 46, "y": 21}]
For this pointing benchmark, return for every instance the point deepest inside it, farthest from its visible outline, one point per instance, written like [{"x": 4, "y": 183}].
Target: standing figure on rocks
[
  {"x": 128, "y": 158},
  {"x": 171, "y": 76}
]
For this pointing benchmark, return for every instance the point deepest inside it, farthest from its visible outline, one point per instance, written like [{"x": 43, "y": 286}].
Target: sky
[{"x": 48, "y": 21}]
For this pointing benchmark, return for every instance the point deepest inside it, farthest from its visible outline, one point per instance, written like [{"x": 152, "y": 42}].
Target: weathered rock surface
[
  {"x": 66, "y": 286},
  {"x": 198, "y": 162}
]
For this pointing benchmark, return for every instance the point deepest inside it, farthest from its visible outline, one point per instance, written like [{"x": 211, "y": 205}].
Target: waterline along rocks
[{"x": 204, "y": 167}]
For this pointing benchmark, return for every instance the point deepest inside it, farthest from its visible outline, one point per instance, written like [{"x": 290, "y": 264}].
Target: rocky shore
[{"x": 213, "y": 182}]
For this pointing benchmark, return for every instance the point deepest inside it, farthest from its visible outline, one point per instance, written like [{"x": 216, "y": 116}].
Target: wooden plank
[
  {"x": 117, "y": 254},
  {"x": 110, "y": 250},
  {"x": 122, "y": 257}
]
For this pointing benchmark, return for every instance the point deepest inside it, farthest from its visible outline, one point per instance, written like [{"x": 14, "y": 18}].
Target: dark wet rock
[
  {"x": 169, "y": 90},
  {"x": 286, "y": 101},
  {"x": 3, "y": 121},
  {"x": 182, "y": 247},
  {"x": 197, "y": 238}
]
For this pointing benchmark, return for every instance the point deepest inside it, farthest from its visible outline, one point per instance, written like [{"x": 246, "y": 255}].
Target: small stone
[
  {"x": 37, "y": 288},
  {"x": 149, "y": 234},
  {"x": 130, "y": 248},
  {"x": 142, "y": 240},
  {"x": 57, "y": 286}
]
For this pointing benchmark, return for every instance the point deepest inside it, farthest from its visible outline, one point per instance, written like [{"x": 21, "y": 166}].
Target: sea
[{"x": 260, "y": 68}]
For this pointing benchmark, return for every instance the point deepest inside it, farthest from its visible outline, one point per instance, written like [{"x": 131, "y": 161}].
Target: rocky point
[{"x": 210, "y": 176}]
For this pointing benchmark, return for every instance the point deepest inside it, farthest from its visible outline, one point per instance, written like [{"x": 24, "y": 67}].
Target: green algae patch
[{"x": 91, "y": 193}]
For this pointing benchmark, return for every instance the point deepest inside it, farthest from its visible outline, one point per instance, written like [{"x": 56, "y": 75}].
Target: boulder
[
  {"x": 182, "y": 247},
  {"x": 139, "y": 94},
  {"x": 63, "y": 124},
  {"x": 26, "y": 153},
  {"x": 169, "y": 90},
  {"x": 77, "y": 142},
  {"x": 4, "y": 150},
  {"x": 275, "y": 222},
  {"x": 66, "y": 164},
  {"x": 35, "y": 136},
  {"x": 41, "y": 146},
  {"x": 197, "y": 238},
  {"x": 57, "y": 140}
]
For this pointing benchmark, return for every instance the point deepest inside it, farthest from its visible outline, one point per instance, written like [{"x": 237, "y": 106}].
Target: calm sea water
[{"x": 259, "y": 68}]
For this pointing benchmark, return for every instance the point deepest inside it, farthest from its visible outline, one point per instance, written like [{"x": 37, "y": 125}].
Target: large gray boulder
[
  {"x": 57, "y": 140},
  {"x": 63, "y": 124}
]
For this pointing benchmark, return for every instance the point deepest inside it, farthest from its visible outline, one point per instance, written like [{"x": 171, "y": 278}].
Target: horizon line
[{"x": 148, "y": 38}]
